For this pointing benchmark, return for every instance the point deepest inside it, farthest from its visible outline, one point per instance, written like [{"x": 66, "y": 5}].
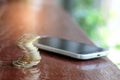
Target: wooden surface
[{"x": 39, "y": 16}]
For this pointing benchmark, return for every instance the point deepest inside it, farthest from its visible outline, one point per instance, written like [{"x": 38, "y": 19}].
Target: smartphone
[{"x": 70, "y": 48}]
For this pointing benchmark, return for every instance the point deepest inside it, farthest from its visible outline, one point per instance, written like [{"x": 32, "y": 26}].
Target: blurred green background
[
  {"x": 89, "y": 16},
  {"x": 98, "y": 20}
]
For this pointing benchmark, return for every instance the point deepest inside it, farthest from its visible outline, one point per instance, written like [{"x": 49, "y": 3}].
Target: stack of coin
[{"x": 31, "y": 56}]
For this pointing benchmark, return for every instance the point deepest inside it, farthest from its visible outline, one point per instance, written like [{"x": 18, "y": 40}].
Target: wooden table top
[{"x": 33, "y": 16}]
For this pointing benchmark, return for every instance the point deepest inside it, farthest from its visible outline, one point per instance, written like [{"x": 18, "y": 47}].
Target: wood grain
[{"x": 43, "y": 18}]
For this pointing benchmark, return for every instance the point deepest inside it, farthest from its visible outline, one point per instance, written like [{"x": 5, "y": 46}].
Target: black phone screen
[{"x": 67, "y": 45}]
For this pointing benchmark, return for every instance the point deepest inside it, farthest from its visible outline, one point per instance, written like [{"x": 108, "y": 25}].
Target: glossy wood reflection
[{"x": 45, "y": 18}]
